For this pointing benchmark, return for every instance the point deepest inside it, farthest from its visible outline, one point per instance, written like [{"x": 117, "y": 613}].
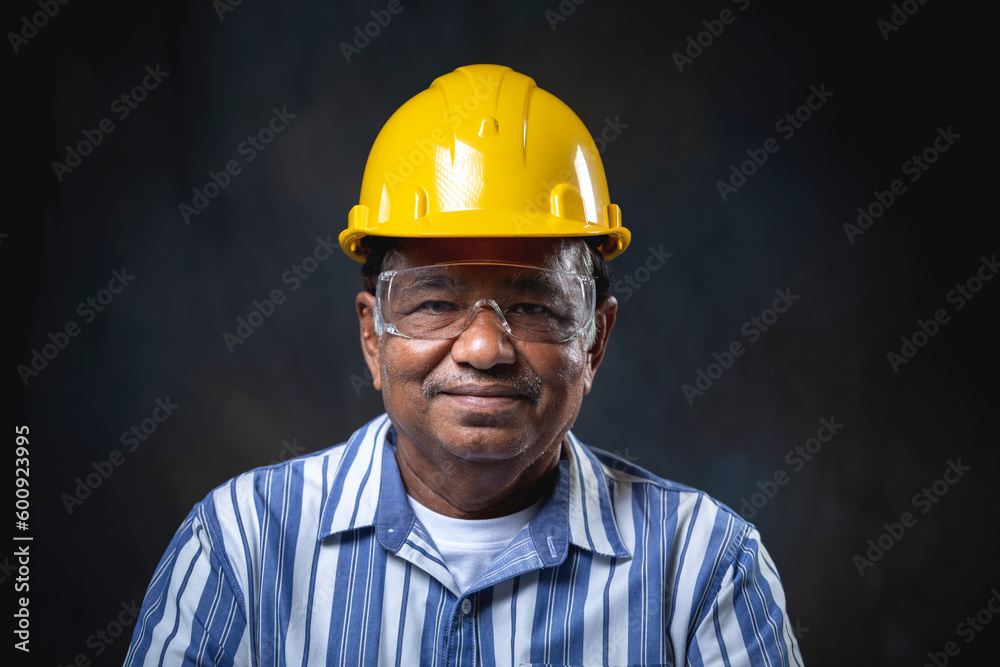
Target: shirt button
[{"x": 466, "y": 606}]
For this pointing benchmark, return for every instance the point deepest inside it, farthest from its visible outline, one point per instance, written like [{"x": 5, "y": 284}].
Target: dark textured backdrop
[{"x": 300, "y": 379}]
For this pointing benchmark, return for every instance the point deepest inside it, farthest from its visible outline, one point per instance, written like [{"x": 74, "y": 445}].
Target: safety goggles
[{"x": 440, "y": 301}]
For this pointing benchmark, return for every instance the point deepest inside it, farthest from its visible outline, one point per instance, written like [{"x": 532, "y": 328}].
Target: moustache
[{"x": 524, "y": 383}]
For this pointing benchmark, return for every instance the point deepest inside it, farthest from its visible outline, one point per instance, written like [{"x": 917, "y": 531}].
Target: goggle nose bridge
[{"x": 475, "y": 310}]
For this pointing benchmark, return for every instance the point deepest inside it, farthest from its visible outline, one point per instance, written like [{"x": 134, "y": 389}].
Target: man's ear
[
  {"x": 365, "y": 305},
  {"x": 604, "y": 321}
]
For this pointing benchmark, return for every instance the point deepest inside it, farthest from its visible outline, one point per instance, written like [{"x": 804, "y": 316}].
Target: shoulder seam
[
  {"x": 725, "y": 564},
  {"x": 219, "y": 551}
]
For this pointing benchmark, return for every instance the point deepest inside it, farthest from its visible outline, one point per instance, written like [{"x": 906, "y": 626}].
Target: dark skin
[{"x": 481, "y": 417}]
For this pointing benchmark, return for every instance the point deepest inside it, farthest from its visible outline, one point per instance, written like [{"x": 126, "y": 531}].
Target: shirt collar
[{"x": 367, "y": 491}]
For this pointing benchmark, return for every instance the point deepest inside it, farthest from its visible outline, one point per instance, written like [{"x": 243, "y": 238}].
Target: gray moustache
[{"x": 530, "y": 386}]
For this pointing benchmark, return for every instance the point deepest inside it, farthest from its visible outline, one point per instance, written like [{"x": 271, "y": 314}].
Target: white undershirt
[{"x": 469, "y": 546}]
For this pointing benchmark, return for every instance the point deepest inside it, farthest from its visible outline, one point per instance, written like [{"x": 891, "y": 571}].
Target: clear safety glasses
[{"x": 440, "y": 301}]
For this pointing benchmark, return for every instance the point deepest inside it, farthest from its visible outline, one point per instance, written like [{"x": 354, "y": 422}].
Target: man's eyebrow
[
  {"x": 532, "y": 279},
  {"x": 428, "y": 282},
  {"x": 518, "y": 280}
]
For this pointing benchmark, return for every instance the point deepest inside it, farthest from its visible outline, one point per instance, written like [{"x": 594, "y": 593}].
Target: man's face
[{"x": 483, "y": 396}]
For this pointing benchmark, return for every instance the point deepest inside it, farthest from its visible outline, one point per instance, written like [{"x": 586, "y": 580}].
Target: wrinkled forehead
[{"x": 561, "y": 254}]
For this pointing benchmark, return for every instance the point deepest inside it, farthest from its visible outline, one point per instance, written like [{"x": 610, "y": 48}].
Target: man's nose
[{"x": 484, "y": 343}]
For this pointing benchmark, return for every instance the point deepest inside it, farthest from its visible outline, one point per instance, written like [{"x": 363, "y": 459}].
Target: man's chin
[
  {"x": 486, "y": 436},
  {"x": 488, "y": 451}
]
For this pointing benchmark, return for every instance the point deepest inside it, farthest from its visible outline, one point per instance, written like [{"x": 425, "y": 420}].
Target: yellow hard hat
[{"x": 484, "y": 152}]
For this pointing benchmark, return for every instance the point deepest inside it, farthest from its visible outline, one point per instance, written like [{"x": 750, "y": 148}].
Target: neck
[{"x": 466, "y": 489}]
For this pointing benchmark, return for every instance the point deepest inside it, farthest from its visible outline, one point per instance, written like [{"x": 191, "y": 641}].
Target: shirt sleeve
[
  {"x": 193, "y": 613},
  {"x": 746, "y": 623}
]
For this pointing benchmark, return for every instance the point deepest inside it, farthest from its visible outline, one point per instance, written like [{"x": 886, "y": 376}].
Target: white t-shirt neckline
[{"x": 469, "y": 546}]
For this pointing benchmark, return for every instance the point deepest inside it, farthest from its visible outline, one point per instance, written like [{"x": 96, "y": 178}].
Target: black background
[{"x": 300, "y": 377}]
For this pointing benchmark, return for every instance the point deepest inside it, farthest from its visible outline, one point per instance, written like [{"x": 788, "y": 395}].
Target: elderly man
[{"x": 468, "y": 525}]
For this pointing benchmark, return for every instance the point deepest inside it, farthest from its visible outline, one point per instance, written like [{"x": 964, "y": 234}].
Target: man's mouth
[
  {"x": 483, "y": 398},
  {"x": 484, "y": 391}
]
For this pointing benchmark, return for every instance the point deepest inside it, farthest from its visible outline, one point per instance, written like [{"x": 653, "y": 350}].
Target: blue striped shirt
[{"x": 320, "y": 561}]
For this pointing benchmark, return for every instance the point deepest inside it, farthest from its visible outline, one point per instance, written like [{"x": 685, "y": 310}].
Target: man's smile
[{"x": 491, "y": 397}]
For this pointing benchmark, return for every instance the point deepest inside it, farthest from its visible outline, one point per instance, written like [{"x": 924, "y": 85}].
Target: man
[{"x": 468, "y": 525}]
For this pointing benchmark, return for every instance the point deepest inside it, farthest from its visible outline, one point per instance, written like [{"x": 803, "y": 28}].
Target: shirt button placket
[{"x": 466, "y": 606}]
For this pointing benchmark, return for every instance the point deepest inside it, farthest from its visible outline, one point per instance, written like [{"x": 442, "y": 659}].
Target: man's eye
[
  {"x": 435, "y": 307},
  {"x": 529, "y": 309}
]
